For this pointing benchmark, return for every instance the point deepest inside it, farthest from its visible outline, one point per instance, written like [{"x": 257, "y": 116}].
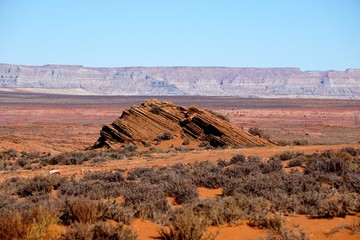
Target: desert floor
[{"x": 56, "y": 124}]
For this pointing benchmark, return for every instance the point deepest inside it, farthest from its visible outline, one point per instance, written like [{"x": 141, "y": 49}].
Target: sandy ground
[{"x": 41, "y": 123}]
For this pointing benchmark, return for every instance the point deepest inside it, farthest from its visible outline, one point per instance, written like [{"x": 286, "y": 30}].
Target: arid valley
[{"x": 36, "y": 128}]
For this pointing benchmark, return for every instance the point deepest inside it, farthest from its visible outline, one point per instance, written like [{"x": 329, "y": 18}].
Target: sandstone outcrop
[
  {"x": 147, "y": 123},
  {"x": 166, "y": 81}
]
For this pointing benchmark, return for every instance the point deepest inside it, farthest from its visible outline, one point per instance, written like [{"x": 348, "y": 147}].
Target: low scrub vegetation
[
  {"x": 219, "y": 115},
  {"x": 258, "y": 132},
  {"x": 164, "y": 137},
  {"x": 12, "y": 160},
  {"x": 254, "y": 190}
]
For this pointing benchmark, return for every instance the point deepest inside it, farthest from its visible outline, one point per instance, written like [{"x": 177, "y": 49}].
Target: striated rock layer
[
  {"x": 204, "y": 81},
  {"x": 145, "y": 123}
]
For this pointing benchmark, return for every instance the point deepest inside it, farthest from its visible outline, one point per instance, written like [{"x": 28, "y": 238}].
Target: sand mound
[{"x": 154, "y": 121}]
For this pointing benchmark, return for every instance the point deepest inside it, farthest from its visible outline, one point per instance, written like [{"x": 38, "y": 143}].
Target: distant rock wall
[{"x": 207, "y": 81}]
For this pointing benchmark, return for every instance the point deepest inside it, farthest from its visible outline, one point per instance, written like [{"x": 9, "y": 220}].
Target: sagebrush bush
[
  {"x": 164, "y": 137},
  {"x": 273, "y": 165},
  {"x": 93, "y": 189},
  {"x": 118, "y": 213},
  {"x": 275, "y": 223},
  {"x": 71, "y": 158},
  {"x": 184, "y": 192},
  {"x": 81, "y": 210},
  {"x": 37, "y": 185},
  {"x": 114, "y": 176},
  {"x": 28, "y": 221},
  {"x": 206, "y": 174},
  {"x": 131, "y": 147},
  {"x": 287, "y": 155},
  {"x": 110, "y": 232},
  {"x": 350, "y": 150},
  {"x": 297, "y": 162},
  {"x": 147, "y": 201},
  {"x": 9, "y": 154},
  {"x": 100, "y": 231},
  {"x": 140, "y": 173},
  {"x": 300, "y": 142},
  {"x": 219, "y": 211},
  {"x": 328, "y": 162},
  {"x": 186, "y": 226},
  {"x": 258, "y": 132},
  {"x": 238, "y": 159},
  {"x": 219, "y": 115}
]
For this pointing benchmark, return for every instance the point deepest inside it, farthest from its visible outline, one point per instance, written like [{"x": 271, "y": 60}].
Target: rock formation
[
  {"x": 150, "y": 122},
  {"x": 205, "y": 81}
]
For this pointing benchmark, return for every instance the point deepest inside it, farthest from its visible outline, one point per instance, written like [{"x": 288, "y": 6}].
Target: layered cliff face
[
  {"x": 206, "y": 81},
  {"x": 155, "y": 121}
]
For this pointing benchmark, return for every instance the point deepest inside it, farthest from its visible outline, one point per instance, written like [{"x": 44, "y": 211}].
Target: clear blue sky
[{"x": 309, "y": 34}]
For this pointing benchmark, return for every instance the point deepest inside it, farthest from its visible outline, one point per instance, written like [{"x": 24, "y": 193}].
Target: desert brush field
[{"x": 304, "y": 184}]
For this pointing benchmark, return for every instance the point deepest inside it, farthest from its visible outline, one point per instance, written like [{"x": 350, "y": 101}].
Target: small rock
[{"x": 55, "y": 171}]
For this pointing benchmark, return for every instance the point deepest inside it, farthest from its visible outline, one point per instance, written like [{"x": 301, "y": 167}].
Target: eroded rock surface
[
  {"x": 146, "y": 123},
  {"x": 171, "y": 81}
]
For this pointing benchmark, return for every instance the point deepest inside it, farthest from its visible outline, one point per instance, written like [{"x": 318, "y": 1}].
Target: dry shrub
[
  {"x": 72, "y": 158},
  {"x": 238, "y": 159},
  {"x": 220, "y": 210},
  {"x": 219, "y": 115},
  {"x": 350, "y": 150},
  {"x": 287, "y": 234},
  {"x": 206, "y": 174},
  {"x": 283, "y": 143},
  {"x": 164, "y": 137},
  {"x": 184, "y": 192},
  {"x": 354, "y": 227},
  {"x": 28, "y": 222},
  {"x": 273, "y": 165},
  {"x": 275, "y": 223},
  {"x": 78, "y": 231},
  {"x": 186, "y": 226},
  {"x": 93, "y": 189},
  {"x": 287, "y": 155},
  {"x": 300, "y": 142},
  {"x": 9, "y": 154},
  {"x": 118, "y": 213},
  {"x": 147, "y": 201},
  {"x": 6, "y": 201},
  {"x": 298, "y": 161},
  {"x": 111, "y": 232},
  {"x": 351, "y": 202},
  {"x": 99, "y": 231},
  {"x": 258, "y": 132},
  {"x": 186, "y": 142},
  {"x": 38, "y": 185},
  {"x": 141, "y": 173},
  {"x": 328, "y": 162},
  {"x": 81, "y": 210},
  {"x": 113, "y": 176},
  {"x": 131, "y": 147}
]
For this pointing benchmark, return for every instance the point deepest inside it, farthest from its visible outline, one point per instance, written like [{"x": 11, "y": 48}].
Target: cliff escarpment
[{"x": 171, "y": 81}]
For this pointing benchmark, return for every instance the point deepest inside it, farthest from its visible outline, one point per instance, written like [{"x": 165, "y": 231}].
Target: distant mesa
[
  {"x": 154, "y": 122},
  {"x": 182, "y": 81}
]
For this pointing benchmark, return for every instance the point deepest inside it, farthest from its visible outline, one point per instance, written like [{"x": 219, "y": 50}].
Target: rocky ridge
[
  {"x": 204, "y": 81},
  {"x": 154, "y": 121}
]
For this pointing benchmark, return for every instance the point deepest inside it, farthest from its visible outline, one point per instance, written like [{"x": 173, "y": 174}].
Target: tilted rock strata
[
  {"x": 209, "y": 81},
  {"x": 144, "y": 123}
]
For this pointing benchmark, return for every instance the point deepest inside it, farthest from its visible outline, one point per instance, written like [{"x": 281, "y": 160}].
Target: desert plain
[{"x": 58, "y": 124}]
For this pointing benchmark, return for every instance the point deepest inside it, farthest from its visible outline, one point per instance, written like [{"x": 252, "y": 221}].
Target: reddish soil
[{"x": 43, "y": 123}]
